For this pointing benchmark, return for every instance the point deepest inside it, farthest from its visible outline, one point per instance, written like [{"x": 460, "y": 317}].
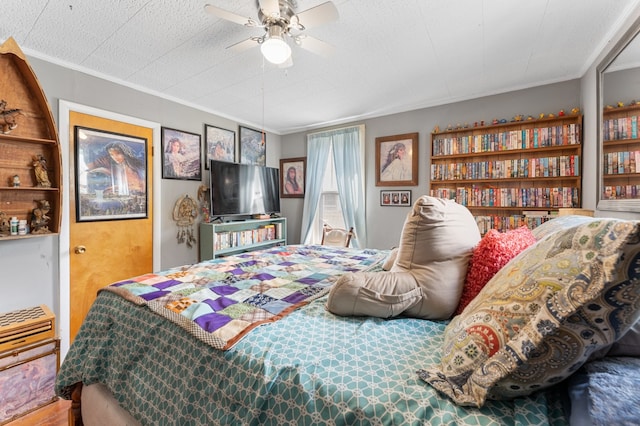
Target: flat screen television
[{"x": 243, "y": 189}]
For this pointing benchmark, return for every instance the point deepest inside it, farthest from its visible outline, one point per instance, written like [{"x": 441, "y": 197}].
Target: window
[
  {"x": 335, "y": 191},
  {"x": 329, "y": 209}
]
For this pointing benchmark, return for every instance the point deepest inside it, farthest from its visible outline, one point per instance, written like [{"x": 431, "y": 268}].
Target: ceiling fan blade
[
  {"x": 230, "y": 16},
  {"x": 270, "y": 8},
  {"x": 318, "y": 15},
  {"x": 314, "y": 45},
  {"x": 243, "y": 45}
]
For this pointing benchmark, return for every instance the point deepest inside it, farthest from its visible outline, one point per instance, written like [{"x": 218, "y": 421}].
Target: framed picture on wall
[
  {"x": 395, "y": 198},
  {"x": 180, "y": 155},
  {"x": 253, "y": 146},
  {"x": 110, "y": 175},
  {"x": 220, "y": 144},
  {"x": 397, "y": 160},
  {"x": 292, "y": 175}
]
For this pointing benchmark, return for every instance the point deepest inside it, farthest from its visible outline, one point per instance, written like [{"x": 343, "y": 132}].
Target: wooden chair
[{"x": 337, "y": 237}]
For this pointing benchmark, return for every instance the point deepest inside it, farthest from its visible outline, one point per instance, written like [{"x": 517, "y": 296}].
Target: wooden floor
[{"x": 50, "y": 415}]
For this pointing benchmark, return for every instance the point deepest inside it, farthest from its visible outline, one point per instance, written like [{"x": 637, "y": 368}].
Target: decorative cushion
[
  {"x": 494, "y": 251},
  {"x": 542, "y": 315},
  {"x": 560, "y": 223},
  {"x": 428, "y": 273}
]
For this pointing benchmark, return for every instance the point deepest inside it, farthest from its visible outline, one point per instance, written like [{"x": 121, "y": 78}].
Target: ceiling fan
[{"x": 281, "y": 22}]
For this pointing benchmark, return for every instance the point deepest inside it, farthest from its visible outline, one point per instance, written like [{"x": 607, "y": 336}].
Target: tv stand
[{"x": 240, "y": 235}]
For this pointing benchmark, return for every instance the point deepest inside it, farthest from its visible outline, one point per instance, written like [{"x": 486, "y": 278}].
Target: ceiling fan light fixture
[{"x": 274, "y": 48}]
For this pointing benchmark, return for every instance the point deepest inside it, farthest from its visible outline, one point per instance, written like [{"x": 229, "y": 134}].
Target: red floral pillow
[{"x": 493, "y": 251}]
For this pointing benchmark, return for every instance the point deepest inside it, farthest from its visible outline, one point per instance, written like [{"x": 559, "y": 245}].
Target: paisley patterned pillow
[{"x": 540, "y": 317}]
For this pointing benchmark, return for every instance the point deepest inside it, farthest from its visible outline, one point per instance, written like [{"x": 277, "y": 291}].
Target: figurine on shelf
[
  {"x": 620, "y": 104},
  {"x": 40, "y": 168},
  {"x": 40, "y": 218},
  {"x": 541, "y": 116},
  {"x": 575, "y": 110},
  {"x": 561, "y": 113},
  {"x": 5, "y": 224},
  {"x": 436, "y": 129},
  {"x": 8, "y": 117},
  {"x": 16, "y": 181}
]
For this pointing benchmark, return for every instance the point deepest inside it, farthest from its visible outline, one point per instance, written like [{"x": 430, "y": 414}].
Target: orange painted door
[{"x": 105, "y": 251}]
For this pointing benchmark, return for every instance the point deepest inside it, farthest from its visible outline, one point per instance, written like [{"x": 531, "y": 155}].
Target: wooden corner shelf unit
[
  {"x": 27, "y": 131},
  {"x": 510, "y": 174}
]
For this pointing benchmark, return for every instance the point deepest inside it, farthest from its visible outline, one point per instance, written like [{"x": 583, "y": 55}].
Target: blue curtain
[
  {"x": 318, "y": 147},
  {"x": 350, "y": 180},
  {"x": 349, "y": 176}
]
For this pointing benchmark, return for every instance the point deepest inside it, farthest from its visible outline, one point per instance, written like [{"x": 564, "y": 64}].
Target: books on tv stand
[{"x": 228, "y": 238}]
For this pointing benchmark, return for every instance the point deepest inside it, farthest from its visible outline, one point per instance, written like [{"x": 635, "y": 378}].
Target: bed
[{"x": 298, "y": 364}]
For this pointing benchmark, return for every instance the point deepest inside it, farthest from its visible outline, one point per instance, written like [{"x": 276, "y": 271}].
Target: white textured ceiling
[{"x": 390, "y": 55}]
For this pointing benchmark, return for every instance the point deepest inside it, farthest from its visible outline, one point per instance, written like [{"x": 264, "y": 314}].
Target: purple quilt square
[
  {"x": 312, "y": 279},
  {"x": 154, "y": 295},
  {"x": 165, "y": 284},
  {"x": 223, "y": 290},
  {"x": 296, "y": 297},
  {"x": 287, "y": 263},
  {"x": 263, "y": 277},
  {"x": 211, "y": 322},
  {"x": 220, "y": 303},
  {"x": 236, "y": 271}
]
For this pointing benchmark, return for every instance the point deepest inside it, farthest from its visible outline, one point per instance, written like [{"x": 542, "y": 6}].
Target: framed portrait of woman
[
  {"x": 180, "y": 155},
  {"x": 397, "y": 160},
  {"x": 220, "y": 144},
  {"x": 110, "y": 175},
  {"x": 292, "y": 175}
]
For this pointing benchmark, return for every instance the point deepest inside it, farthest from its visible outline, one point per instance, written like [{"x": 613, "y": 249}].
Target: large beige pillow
[
  {"x": 542, "y": 316},
  {"x": 428, "y": 273}
]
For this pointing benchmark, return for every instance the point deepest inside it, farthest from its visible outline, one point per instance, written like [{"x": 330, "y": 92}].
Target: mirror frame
[{"x": 632, "y": 205}]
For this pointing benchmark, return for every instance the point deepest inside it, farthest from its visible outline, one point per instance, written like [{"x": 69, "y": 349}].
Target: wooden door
[{"x": 102, "y": 252}]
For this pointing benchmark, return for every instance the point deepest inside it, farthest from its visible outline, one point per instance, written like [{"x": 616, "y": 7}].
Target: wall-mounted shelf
[
  {"x": 510, "y": 174},
  {"x": 27, "y": 130}
]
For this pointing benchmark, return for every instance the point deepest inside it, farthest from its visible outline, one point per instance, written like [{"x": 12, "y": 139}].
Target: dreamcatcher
[{"x": 185, "y": 213}]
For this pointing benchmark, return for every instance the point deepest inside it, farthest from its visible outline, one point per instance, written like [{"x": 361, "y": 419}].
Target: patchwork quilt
[{"x": 221, "y": 300}]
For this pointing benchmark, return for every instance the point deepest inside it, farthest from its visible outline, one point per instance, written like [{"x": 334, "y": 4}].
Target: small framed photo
[
  {"x": 180, "y": 155},
  {"x": 292, "y": 175},
  {"x": 110, "y": 175},
  {"x": 220, "y": 144},
  {"x": 397, "y": 160},
  {"x": 395, "y": 198},
  {"x": 253, "y": 146}
]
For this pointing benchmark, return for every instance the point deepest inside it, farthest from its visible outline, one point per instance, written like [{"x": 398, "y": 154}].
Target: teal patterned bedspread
[{"x": 308, "y": 368}]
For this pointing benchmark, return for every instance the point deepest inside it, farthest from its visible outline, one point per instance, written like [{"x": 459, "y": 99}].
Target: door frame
[{"x": 64, "y": 109}]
